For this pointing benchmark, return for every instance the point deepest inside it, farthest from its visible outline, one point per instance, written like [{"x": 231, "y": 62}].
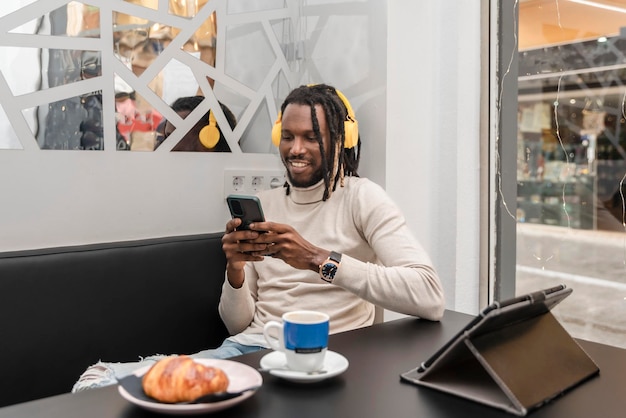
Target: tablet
[
  {"x": 500, "y": 314},
  {"x": 514, "y": 356}
]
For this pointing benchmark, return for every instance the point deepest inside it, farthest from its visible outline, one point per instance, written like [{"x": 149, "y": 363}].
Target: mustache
[{"x": 296, "y": 158}]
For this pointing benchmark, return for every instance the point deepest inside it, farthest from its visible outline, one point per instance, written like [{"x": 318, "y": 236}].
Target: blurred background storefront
[{"x": 571, "y": 159}]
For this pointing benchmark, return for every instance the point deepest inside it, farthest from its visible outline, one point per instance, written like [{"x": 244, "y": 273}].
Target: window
[{"x": 571, "y": 160}]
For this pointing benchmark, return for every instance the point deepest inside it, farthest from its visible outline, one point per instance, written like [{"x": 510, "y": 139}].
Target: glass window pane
[{"x": 571, "y": 161}]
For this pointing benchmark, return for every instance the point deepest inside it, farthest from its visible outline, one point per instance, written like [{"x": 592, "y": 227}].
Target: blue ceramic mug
[{"x": 303, "y": 337}]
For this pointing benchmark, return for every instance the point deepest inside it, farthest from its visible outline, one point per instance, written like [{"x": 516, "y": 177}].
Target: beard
[{"x": 304, "y": 182}]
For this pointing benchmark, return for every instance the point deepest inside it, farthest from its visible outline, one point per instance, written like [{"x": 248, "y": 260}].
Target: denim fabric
[{"x": 104, "y": 374}]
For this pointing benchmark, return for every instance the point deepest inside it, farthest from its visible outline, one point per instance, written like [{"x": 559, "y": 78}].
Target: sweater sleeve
[
  {"x": 404, "y": 279},
  {"x": 236, "y": 307}
]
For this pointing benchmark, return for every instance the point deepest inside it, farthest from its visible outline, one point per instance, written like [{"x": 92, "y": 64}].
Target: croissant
[{"x": 180, "y": 379}]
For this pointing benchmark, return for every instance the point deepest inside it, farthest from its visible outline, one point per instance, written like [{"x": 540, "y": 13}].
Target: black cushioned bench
[{"x": 63, "y": 309}]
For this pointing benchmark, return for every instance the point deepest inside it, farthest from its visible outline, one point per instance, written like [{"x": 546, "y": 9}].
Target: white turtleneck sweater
[{"x": 382, "y": 263}]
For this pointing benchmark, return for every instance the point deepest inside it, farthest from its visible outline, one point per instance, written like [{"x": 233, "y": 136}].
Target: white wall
[
  {"x": 433, "y": 85},
  {"x": 55, "y": 198}
]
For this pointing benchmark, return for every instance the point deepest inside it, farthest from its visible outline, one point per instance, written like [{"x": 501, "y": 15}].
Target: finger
[
  {"x": 252, "y": 247},
  {"x": 269, "y": 227},
  {"x": 232, "y": 252},
  {"x": 260, "y": 227},
  {"x": 239, "y": 252},
  {"x": 268, "y": 238},
  {"x": 239, "y": 236},
  {"x": 232, "y": 224},
  {"x": 265, "y": 250}
]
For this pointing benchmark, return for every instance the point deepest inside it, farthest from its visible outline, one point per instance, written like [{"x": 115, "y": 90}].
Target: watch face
[{"x": 329, "y": 270}]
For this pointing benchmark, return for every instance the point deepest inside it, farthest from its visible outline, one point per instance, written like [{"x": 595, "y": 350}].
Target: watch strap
[{"x": 335, "y": 256}]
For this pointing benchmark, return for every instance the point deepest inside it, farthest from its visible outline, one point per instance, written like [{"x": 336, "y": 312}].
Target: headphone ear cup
[
  {"x": 351, "y": 131},
  {"x": 209, "y": 135},
  {"x": 350, "y": 126},
  {"x": 277, "y": 130}
]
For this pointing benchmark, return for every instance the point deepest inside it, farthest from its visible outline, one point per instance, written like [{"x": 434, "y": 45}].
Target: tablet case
[{"x": 514, "y": 356}]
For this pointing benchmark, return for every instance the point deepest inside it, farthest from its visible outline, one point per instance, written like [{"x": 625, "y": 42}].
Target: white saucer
[
  {"x": 334, "y": 364},
  {"x": 241, "y": 376}
]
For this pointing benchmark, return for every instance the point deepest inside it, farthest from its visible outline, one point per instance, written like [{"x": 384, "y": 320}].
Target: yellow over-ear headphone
[
  {"x": 210, "y": 135},
  {"x": 350, "y": 126}
]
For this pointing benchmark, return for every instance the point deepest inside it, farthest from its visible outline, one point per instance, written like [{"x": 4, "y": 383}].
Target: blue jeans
[{"x": 105, "y": 374}]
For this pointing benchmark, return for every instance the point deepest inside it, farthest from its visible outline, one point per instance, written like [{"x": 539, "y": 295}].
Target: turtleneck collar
[{"x": 307, "y": 195}]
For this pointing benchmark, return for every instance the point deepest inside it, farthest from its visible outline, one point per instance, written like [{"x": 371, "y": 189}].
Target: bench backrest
[{"x": 63, "y": 309}]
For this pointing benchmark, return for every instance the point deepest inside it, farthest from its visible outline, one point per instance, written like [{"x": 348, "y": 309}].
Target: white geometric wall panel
[{"x": 243, "y": 54}]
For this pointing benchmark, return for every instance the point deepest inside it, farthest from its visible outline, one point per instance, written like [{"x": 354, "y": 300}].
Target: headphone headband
[{"x": 351, "y": 126}]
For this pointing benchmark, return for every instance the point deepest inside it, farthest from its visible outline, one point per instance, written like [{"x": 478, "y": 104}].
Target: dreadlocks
[{"x": 343, "y": 162}]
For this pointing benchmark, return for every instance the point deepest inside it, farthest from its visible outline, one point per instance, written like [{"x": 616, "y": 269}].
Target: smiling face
[{"x": 299, "y": 147}]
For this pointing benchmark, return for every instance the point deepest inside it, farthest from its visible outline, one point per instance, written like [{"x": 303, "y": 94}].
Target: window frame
[{"x": 503, "y": 149}]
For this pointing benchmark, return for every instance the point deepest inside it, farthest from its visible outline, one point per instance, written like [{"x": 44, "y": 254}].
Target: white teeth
[{"x": 295, "y": 164}]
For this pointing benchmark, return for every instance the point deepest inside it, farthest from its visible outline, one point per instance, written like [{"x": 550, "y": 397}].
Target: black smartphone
[{"x": 246, "y": 208}]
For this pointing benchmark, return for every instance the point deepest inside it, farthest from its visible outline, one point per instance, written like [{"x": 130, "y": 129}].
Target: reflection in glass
[
  {"x": 77, "y": 122},
  {"x": 138, "y": 43},
  {"x": 571, "y": 136},
  {"x": 160, "y": 52},
  {"x": 571, "y": 167},
  {"x": 206, "y": 135}
]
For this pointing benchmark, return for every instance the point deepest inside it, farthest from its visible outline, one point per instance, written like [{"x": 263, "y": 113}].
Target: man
[
  {"x": 333, "y": 242},
  {"x": 324, "y": 207}
]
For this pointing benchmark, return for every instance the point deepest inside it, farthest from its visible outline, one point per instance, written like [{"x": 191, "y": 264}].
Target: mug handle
[{"x": 280, "y": 346}]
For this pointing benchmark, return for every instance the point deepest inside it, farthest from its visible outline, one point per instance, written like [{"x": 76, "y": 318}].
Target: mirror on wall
[{"x": 144, "y": 75}]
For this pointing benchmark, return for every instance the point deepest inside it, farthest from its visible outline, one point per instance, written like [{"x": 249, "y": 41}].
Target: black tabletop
[{"x": 371, "y": 386}]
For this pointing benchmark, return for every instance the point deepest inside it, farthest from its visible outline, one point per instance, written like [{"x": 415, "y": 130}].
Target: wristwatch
[{"x": 329, "y": 268}]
